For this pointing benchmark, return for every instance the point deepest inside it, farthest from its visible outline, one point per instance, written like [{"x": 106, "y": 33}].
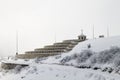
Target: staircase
[{"x": 55, "y": 49}]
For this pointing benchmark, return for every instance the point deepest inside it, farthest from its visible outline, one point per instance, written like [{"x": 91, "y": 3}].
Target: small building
[
  {"x": 82, "y": 37},
  {"x": 101, "y": 36}
]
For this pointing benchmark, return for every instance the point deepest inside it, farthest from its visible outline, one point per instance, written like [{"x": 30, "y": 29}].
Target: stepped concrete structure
[{"x": 55, "y": 49}]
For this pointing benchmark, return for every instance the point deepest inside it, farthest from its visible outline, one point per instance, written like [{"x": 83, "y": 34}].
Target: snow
[
  {"x": 105, "y": 50},
  {"x": 98, "y": 45},
  {"x": 17, "y": 61},
  {"x": 58, "y": 72}
]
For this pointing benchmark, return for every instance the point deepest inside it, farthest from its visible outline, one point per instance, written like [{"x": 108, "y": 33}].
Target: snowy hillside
[
  {"x": 56, "y": 72},
  {"x": 100, "y": 61},
  {"x": 104, "y": 52},
  {"x": 97, "y": 45}
]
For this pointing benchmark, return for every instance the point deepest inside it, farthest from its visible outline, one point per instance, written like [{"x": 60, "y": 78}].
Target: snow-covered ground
[
  {"x": 103, "y": 53},
  {"x": 101, "y": 48},
  {"x": 98, "y": 45},
  {"x": 57, "y": 72}
]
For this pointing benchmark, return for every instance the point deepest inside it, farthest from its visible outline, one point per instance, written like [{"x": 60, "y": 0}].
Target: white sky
[{"x": 37, "y": 21}]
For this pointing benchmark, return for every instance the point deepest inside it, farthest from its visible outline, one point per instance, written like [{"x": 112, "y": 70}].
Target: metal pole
[
  {"x": 93, "y": 31},
  {"x": 108, "y": 31},
  {"x": 16, "y": 42},
  {"x": 55, "y": 37}
]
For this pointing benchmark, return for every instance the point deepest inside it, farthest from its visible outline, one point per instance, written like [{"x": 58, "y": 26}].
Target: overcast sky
[{"x": 38, "y": 21}]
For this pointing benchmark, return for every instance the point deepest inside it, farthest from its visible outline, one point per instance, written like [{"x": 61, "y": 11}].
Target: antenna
[
  {"x": 55, "y": 37},
  {"x": 16, "y": 42},
  {"x": 93, "y": 31},
  {"x": 81, "y": 31},
  {"x": 107, "y": 31}
]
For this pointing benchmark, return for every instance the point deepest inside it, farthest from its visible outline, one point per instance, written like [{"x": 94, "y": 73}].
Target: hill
[
  {"x": 97, "y": 59},
  {"x": 104, "y": 52}
]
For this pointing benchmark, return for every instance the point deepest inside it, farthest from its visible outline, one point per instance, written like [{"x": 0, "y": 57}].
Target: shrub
[
  {"x": 84, "y": 55},
  {"x": 65, "y": 59}
]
